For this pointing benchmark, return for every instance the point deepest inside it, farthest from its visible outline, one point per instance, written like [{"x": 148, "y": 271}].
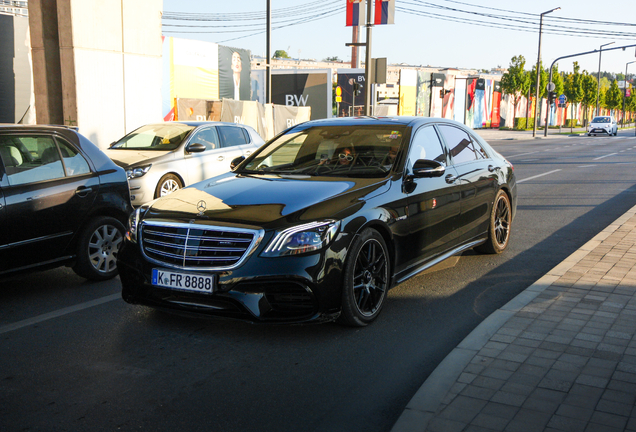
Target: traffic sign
[
  {"x": 562, "y": 99},
  {"x": 551, "y": 86}
]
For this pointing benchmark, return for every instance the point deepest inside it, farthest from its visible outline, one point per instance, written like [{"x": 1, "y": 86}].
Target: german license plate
[{"x": 199, "y": 283}]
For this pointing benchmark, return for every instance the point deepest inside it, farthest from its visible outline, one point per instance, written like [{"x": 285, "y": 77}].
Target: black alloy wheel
[
  {"x": 500, "y": 223},
  {"x": 366, "y": 280}
]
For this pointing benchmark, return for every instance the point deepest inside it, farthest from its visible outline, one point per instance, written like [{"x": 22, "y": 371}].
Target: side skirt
[{"x": 439, "y": 259}]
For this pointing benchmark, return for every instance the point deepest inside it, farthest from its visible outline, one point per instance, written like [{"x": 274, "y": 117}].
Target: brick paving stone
[
  {"x": 497, "y": 373},
  {"x": 574, "y": 411},
  {"x": 619, "y": 396},
  {"x": 486, "y": 420},
  {"x": 528, "y": 420},
  {"x": 567, "y": 424},
  {"x": 476, "y": 392},
  {"x": 592, "y": 381},
  {"x": 610, "y": 420},
  {"x": 463, "y": 409},
  {"x": 475, "y": 428},
  {"x": 439, "y": 424},
  {"x": 526, "y": 342},
  {"x": 487, "y": 382},
  {"x": 508, "y": 398},
  {"x": 613, "y": 407},
  {"x": 505, "y": 364}
]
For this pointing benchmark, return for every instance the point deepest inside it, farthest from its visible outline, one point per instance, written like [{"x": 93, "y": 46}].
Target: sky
[{"x": 437, "y": 33}]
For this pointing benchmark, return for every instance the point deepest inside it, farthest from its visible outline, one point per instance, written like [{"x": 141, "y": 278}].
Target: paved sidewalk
[{"x": 561, "y": 356}]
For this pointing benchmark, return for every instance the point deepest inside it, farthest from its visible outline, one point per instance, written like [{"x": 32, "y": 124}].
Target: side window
[
  {"x": 208, "y": 137},
  {"x": 74, "y": 162},
  {"x": 232, "y": 136},
  {"x": 460, "y": 145},
  {"x": 41, "y": 164},
  {"x": 426, "y": 145}
]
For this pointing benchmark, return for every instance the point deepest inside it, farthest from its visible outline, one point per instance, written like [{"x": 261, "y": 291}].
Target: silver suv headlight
[{"x": 302, "y": 239}]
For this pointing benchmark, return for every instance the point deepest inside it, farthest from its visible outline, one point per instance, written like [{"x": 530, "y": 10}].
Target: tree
[
  {"x": 589, "y": 94},
  {"x": 515, "y": 81},
  {"x": 332, "y": 59},
  {"x": 614, "y": 97},
  {"x": 280, "y": 54},
  {"x": 573, "y": 89}
]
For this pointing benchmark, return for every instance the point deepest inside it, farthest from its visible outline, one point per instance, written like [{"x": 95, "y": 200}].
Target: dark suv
[{"x": 62, "y": 202}]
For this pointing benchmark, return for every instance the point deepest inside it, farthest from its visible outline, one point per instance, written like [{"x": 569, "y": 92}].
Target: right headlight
[
  {"x": 133, "y": 225},
  {"x": 302, "y": 239}
]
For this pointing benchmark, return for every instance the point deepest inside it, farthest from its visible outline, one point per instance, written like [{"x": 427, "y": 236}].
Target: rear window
[{"x": 232, "y": 136}]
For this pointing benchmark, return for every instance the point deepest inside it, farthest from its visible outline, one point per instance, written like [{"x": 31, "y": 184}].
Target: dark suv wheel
[{"x": 97, "y": 249}]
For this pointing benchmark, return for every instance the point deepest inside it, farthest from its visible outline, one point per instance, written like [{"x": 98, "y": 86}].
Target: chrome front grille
[{"x": 195, "y": 246}]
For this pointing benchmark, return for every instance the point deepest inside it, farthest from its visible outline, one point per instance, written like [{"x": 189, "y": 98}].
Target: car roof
[
  {"x": 369, "y": 120},
  {"x": 198, "y": 123}
]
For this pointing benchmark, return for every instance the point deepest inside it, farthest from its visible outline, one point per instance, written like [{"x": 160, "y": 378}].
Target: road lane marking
[
  {"x": 58, "y": 313},
  {"x": 537, "y": 176},
  {"x": 587, "y": 166},
  {"x": 603, "y": 157},
  {"x": 523, "y": 154}
]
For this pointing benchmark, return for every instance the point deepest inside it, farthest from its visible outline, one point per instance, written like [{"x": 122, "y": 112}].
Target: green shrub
[{"x": 571, "y": 123}]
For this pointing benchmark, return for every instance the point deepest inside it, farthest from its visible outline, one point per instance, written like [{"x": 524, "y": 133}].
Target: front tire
[
  {"x": 97, "y": 249},
  {"x": 366, "y": 280},
  {"x": 168, "y": 184},
  {"x": 499, "y": 227}
]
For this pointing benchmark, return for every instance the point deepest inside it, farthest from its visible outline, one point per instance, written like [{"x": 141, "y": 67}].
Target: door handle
[
  {"x": 492, "y": 168},
  {"x": 220, "y": 158},
  {"x": 82, "y": 191},
  {"x": 450, "y": 178},
  {"x": 247, "y": 153}
]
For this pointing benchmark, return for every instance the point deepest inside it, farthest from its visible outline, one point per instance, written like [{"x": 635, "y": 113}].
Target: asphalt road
[{"x": 74, "y": 356}]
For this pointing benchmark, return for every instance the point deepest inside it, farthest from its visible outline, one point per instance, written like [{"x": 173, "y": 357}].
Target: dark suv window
[
  {"x": 461, "y": 147},
  {"x": 232, "y": 136},
  {"x": 29, "y": 159}
]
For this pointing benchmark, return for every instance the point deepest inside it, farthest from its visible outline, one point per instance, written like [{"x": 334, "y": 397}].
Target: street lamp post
[
  {"x": 598, "y": 77},
  {"x": 534, "y": 127},
  {"x": 625, "y": 89}
]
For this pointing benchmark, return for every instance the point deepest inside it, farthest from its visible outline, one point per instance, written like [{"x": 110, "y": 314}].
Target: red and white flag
[
  {"x": 384, "y": 12},
  {"x": 355, "y": 12}
]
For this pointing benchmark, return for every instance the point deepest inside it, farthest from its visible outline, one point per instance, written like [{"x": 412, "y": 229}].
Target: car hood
[
  {"x": 127, "y": 158},
  {"x": 259, "y": 200}
]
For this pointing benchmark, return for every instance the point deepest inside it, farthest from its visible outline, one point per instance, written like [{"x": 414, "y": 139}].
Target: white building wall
[{"x": 111, "y": 65}]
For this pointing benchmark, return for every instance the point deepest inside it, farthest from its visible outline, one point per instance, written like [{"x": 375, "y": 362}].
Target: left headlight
[
  {"x": 137, "y": 172},
  {"x": 302, "y": 239}
]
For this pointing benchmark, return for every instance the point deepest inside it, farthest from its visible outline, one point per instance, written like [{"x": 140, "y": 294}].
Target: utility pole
[
  {"x": 625, "y": 90},
  {"x": 367, "y": 65},
  {"x": 536, "y": 107},
  {"x": 268, "y": 66},
  {"x": 598, "y": 77}
]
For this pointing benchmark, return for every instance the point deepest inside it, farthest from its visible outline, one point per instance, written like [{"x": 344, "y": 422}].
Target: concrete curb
[{"x": 423, "y": 407}]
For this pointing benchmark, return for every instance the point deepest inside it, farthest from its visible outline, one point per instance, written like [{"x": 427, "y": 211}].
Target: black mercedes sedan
[{"x": 320, "y": 222}]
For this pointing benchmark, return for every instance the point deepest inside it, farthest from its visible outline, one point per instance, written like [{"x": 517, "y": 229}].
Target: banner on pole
[
  {"x": 384, "y": 12},
  {"x": 355, "y": 13}
]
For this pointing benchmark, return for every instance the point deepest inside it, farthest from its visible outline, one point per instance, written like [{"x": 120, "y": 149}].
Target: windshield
[
  {"x": 348, "y": 151},
  {"x": 154, "y": 137},
  {"x": 601, "y": 120}
]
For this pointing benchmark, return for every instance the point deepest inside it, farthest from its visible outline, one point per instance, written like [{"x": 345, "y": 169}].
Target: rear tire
[
  {"x": 499, "y": 228},
  {"x": 97, "y": 249},
  {"x": 365, "y": 280},
  {"x": 168, "y": 184}
]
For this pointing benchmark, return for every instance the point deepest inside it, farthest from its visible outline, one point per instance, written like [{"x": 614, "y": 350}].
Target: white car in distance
[{"x": 603, "y": 125}]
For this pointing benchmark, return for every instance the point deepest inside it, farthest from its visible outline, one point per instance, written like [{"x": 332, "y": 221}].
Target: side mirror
[
  {"x": 428, "y": 168},
  {"x": 195, "y": 148},
  {"x": 236, "y": 162}
]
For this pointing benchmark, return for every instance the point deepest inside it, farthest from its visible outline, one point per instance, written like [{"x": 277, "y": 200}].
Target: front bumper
[
  {"x": 600, "y": 131},
  {"x": 296, "y": 289}
]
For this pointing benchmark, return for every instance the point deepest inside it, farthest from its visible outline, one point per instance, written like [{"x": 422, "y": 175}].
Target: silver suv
[
  {"x": 603, "y": 125},
  {"x": 164, "y": 157}
]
